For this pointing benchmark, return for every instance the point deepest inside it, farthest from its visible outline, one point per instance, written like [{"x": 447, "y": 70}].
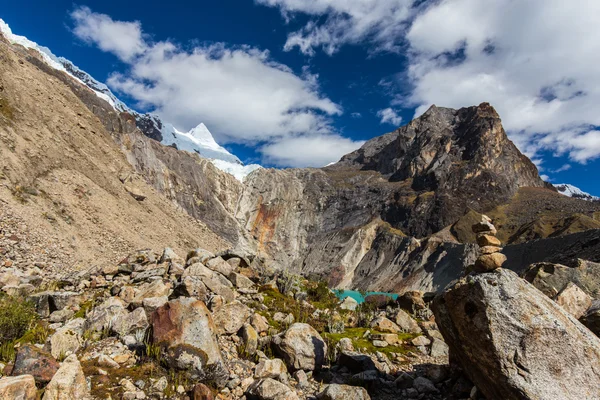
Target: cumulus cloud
[
  {"x": 389, "y": 116},
  {"x": 239, "y": 92},
  {"x": 121, "y": 38},
  {"x": 311, "y": 151},
  {"x": 536, "y": 61},
  {"x": 347, "y": 22}
]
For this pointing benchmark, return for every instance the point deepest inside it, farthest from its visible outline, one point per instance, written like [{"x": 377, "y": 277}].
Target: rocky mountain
[
  {"x": 132, "y": 268},
  {"x": 574, "y": 191},
  {"x": 381, "y": 218}
]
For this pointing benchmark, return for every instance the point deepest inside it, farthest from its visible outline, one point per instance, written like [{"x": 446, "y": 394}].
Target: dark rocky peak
[{"x": 443, "y": 144}]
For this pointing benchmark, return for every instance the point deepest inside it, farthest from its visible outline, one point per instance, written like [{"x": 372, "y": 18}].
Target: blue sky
[{"x": 295, "y": 83}]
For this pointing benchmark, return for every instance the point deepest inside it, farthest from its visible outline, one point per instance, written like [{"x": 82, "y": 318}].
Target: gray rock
[
  {"x": 406, "y": 322},
  {"x": 343, "y": 392},
  {"x": 270, "y": 368},
  {"x": 424, "y": 385},
  {"x": 270, "y": 389},
  {"x": 514, "y": 342},
  {"x": 574, "y": 300},
  {"x": 68, "y": 383},
  {"x": 301, "y": 347},
  {"x": 231, "y": 317}
]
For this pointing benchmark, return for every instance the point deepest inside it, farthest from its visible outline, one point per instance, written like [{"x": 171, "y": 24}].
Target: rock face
[
  {"x": 184, "y": 328},
  {"x": 516, "y": 343}
]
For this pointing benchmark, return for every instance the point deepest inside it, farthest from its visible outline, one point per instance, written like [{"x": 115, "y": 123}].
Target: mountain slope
[
  {"x": 68, "y": 194},
  {"x": 198, "y": 140}
]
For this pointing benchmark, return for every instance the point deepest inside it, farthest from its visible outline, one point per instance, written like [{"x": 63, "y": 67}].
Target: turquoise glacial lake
[{"x": 342, "y": 294}]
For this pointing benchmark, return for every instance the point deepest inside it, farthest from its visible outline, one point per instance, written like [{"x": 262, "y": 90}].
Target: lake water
[{"x": 342, "y": 294}]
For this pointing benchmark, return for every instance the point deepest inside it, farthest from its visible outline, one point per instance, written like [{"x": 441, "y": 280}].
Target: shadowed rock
[{"x": 516, "y": 343}]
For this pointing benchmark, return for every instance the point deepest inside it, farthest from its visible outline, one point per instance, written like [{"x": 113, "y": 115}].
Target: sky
[{"x": 303, "y": 82}]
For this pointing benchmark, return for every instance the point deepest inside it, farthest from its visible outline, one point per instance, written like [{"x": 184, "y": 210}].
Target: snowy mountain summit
[
  {"x": 198, "y": 140},
  {"x": 575, "y": 192}
]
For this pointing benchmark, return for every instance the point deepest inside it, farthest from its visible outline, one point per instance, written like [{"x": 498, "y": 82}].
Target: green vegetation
[
  {"x": 363, "y": 344},
  {"x": 19, "y": 324},
  {"x": 6, "y": 109},
  {"x": 16, "y": 317}
]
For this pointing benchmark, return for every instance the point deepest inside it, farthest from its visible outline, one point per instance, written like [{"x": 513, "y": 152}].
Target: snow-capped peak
[
  {"x": 575, "y": 192},
  {"x": 198, "y": 140}
]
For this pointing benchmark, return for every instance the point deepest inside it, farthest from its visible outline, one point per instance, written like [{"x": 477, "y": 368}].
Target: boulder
[
  {"x": 349, "y": 304},
  {"x": 130, "y": 323},
  {"x": 574, "y": 300},
  {"x": 156, "y": 288},
  {"x": 231, "y": 317},
  {"x": 382, "y": 324},
  {"x": 240, "y": 281},
  {"x": 260, "y": 323},
  {"x": 270, "y": 389},
  {"x": 185, "y": 329},
  {"x": 553, "y": 278},
  {"x": 343, "y": 392},
  {"x": 270, "y": 368},
  {"x": 18, "y": 388},
  {"x": 105, "y": 314},
  {"x": 35, "y": 362},
  {"x": 219, "y": 265},
  {"x": 68, "y": 383},
  {"x": 250, "y": 339},
  {"x": 411, "y": 301},
  {"x": 301, "y": 347},
  {"x": 514, "y": 342},
  {"x": 191, "y": 286},
  {"x": 202, "y": 392},
  {"x": 66, "y": 340},
  {"x": 407, "y": 323}
]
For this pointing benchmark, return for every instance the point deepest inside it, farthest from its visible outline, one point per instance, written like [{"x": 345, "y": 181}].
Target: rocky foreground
[{"x": 223, "y": 326}]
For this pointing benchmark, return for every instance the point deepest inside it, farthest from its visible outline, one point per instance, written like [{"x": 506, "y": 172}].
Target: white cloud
[
  {"x": 311, "y": 151},
  {"x": 563, "y": 168},
  {"x": 241, "y": 93},
  {"x": 389, "y": 116},
  {"x": 121, "y": 38},
  {"x": 545, "y": 178},
  {"x": 347, "y": 22},
  {"x": 356, "y": 115},
  {"x": 535, "y": 61}
]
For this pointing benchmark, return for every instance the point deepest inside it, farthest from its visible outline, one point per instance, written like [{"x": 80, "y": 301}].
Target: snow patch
[
  {"x": 239, "y": 171},
  {"x": 574, "y": 191}
]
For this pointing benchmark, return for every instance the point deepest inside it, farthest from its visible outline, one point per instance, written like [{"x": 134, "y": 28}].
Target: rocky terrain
[{"x": 248, "y": 314}]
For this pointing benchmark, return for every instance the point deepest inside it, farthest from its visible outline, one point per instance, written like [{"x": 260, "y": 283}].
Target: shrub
[{"x": 16, "y": 317}]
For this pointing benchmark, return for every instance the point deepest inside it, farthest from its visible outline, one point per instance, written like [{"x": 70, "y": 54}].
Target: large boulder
[
  {"x": 516, "y": 343},
  {"x": 301, "y": 347},
  {"x": 18, "y": 387},
  {"x": 35, "y": 362},
  {"x": 553, "y": 278},
  {"x": 184, "y": 328},
  {"x": 68, "y": 383}
]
